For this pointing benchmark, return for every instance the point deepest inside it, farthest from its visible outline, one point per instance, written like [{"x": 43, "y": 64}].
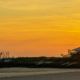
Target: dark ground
[{"x": 56, "y": 76}]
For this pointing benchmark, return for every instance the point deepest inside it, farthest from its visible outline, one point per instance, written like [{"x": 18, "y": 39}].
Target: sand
[{"x": 38, "y": 73}]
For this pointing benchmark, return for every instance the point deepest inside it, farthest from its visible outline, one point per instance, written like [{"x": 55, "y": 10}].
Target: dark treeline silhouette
[{"x": 42, "y": 62}]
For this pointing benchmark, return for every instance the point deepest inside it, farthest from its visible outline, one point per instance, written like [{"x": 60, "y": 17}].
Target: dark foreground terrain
[
  {"x": 56, "y": 76},
  {"x": 40, "y": 62}
]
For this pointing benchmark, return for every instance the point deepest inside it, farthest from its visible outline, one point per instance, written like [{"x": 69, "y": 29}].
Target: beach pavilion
[{"x": 75, "y": 52}]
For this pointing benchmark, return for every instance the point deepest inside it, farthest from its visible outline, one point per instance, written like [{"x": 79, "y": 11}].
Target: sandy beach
[{"x": 39, "y": 74}]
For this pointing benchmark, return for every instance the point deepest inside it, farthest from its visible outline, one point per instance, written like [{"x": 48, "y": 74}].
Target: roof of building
[{"x": 77, "y": 49}]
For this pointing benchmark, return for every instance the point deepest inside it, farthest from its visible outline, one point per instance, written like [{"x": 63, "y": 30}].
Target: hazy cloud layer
[{"x": 39, "y": 25}]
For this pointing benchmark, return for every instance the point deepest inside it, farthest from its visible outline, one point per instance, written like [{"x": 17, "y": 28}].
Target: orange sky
[{"x": 39, "y": 27}]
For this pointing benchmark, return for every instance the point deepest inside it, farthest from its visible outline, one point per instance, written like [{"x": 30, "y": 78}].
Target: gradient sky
[{"x": 39, "y": 27}]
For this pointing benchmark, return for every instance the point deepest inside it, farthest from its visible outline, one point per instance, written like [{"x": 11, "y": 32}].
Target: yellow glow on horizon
[{"x": 39, "y": 27}]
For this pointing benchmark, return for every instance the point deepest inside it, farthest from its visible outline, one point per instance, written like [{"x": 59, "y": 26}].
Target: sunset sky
[{"x": 30, "y": 28}]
